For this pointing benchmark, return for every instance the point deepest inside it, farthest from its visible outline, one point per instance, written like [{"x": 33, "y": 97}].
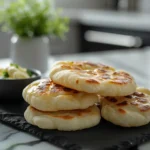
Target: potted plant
[{"x": 31, "y": 21}]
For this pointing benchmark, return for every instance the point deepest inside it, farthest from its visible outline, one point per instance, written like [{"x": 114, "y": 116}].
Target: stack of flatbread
[{"x": 67, "y": 100}]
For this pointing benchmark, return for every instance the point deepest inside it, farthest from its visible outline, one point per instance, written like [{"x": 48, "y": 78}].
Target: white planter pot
[{"x": 30, "y": 52}]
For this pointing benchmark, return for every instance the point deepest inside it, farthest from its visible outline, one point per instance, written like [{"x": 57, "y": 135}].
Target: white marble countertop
[{"x": 136, "y": 62}]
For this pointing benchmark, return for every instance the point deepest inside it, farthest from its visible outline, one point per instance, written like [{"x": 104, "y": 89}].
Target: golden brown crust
[
  {"x": 49, "y": 87},
  {"x": 63, "y": 120},
  {"x": 92, "y": 81},
  {"x": 112, "y": 99},
  {"x": 122, "y": 111},
  {"x": 99, "y": 72},
  {"x": 144, "y": 107},
  {"x": 138, "y": 99},
  {"x": 86, "y": 67},
  {"x": 66, "y": 114},
  {"x": 128, "y": 111},
  {"x": 45, "y": 95},
  {"x": 92, "y": 78},
  {"x": 124, "y": 103},
  {"x": 121, "y": 78}
]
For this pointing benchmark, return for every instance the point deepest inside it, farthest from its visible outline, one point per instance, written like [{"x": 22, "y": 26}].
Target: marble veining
[{"x": 11, "y": 139}]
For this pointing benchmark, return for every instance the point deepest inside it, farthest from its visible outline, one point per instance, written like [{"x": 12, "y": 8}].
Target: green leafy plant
[
  {"x": 5, "y": 74},
  {"x": 15, "y": 65},
  {"x": 33, "y": 18}
]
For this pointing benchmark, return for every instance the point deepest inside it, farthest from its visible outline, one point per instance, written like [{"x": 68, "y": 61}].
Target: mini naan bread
[
  {"x": 47, "y": 96},
  {"x": 93, "y": 78},
  {"x": 128, "y": 111},
  {"x": 63, "y": 120}
]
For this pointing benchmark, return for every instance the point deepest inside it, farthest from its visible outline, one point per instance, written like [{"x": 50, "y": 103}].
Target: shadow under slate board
[{"x": 104, "y": 136}]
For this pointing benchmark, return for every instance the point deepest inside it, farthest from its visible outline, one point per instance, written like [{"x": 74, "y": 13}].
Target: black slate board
[{"x": 104, "y": 136}]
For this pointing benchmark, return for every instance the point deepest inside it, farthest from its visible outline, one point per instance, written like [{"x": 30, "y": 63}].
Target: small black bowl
[{"x": 11, "y": 89}]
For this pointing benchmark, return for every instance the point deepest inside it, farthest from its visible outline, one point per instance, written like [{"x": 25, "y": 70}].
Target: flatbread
[
  {"x": 63, "y": 120},
  {"x": 128, "y": 111},
  {"x": 93, "y": 78},
  {"x": 47, "y": 96}
]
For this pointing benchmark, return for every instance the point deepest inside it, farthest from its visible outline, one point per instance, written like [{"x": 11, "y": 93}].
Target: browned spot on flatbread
[
  {"x": 141, "y": 103},
  {"x": 76, "y": 68},
  {"x": 81, "y": 112},
  {"x": 144, "y": 107},
  {"x": 66, "y": 117},
  {"x": 122, "y": 74},
  {"x": 116, "y": 73},
  {"x": 58, "y": 88},
  {"x": 34, "y": 109},
  {"x": 108, "y": 68},
  {"x": 84, "y": 65},
  {"x": 91, "y": 64},
  {"x": 66, "y": 89},
  {"x": 128, "y": 96},
  {"x": 65, "y": 67},
  {"x": 119, "y": 81},
  {"x": 100, "y": 70},
  {"x": 111, "y": 99},
  {"x": 77, "y": 81},
  {"x": 138, "y": 99},
  {"x": 139, "y": 94},
  {"x": 142, "y": 100},
  {"x": 48, "y": 86},
  {"x": 122, "y": 111},
  {"x": 92, "y": 81},
  {"x": 121, "y": 78},
  {"x": 124, "y": 103},
  {"x": 73, "y": 113}
]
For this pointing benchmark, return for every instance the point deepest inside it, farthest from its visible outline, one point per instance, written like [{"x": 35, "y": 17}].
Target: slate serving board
[{"x": 105, "y": 136}]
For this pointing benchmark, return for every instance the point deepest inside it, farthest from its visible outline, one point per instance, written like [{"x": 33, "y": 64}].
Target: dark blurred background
[{"x": 98, "y": 25}]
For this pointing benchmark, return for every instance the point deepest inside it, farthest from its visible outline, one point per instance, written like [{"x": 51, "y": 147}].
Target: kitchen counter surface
[{"x": 136, "y": 62}]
